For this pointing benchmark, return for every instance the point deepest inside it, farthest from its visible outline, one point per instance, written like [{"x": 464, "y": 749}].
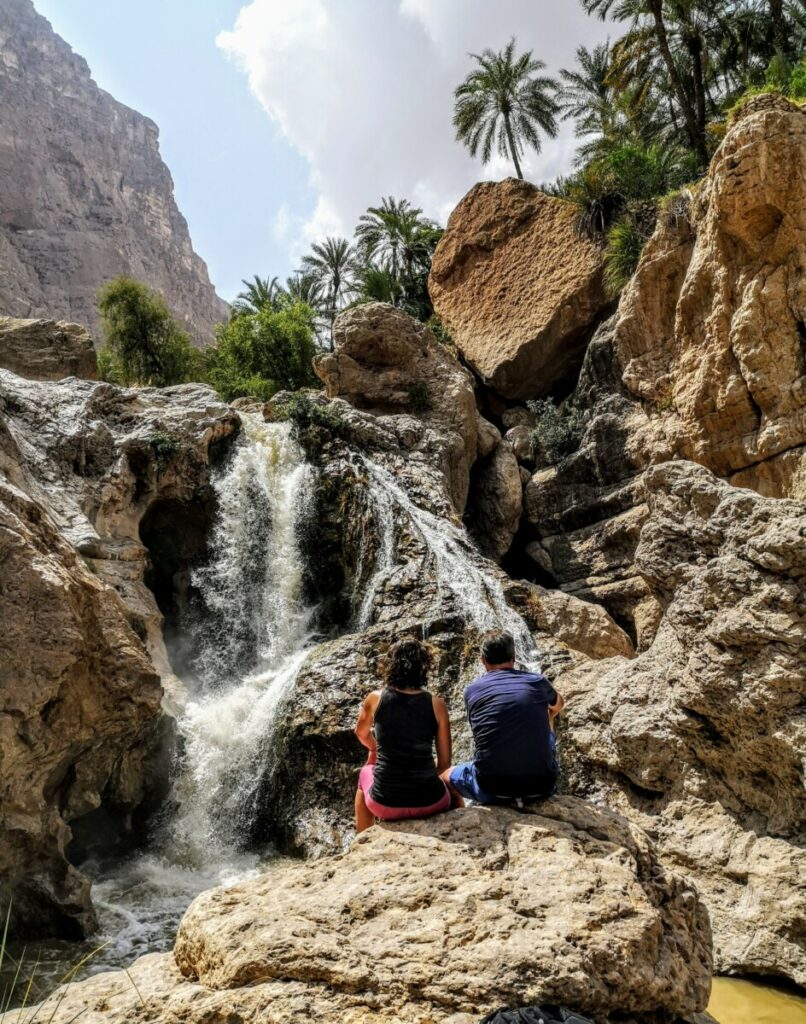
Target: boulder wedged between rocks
[
  {"x": 46, "y": 350},
  {"x": 435, "y": 922}
]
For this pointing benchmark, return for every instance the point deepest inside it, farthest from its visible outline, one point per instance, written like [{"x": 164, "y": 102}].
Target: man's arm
[
  {"x": 363, "y": 727},
  {"x": 556, "y": 708}
]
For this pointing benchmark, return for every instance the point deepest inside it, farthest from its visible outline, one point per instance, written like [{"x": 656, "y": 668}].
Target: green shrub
[
  {"x": 144, "y": 344},
  {"x": 778, "y": 74},
  {"x": 625, "y": 243},
  {"x": 259, "y": 354},
  {"x": 164, "y": 448},
  {"x": 797, "y": 81},
  {"x": 304, "y": 413},
  {"x": 558, "y": 432}
]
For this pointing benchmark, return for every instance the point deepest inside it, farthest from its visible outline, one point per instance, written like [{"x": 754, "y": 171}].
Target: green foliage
[
  {"x": 304, "y": 413},
  {"x": 164, "y": 448},
  {"x": 778, "y": 74},
  {"x": 558, "y": 432},
  {"x": 258, "y": 294},
  {"x": 110, "y": 368},
  {"x": 625, "y": 242},
  {"x": 261, "y": 353},
  {"x": 419, "y": 396},
  {"x": 144, "y": 344},
  {"x": 504, "y": 104},
  {"x": 797, "y": 81}
]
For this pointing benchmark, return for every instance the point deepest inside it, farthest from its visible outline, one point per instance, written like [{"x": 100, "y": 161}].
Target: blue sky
[{"x": 281, "y": 120}]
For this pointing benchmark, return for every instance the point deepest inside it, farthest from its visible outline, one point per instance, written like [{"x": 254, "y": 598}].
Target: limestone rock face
[
  {"x": 437, "y": 921},
  {"x": 726, "y": 364},
  {"x": 86, "y": 196},
  {"x": 497, "y": 501},
  {"x": 46, "y": 350},
  {"x": 701, "y": 738},
  {"x": 703, "y": 361},
  {"x": 518, "y": 289},
  {"x": 84, "y": 468},
  {"x": 387, "y": 362}
]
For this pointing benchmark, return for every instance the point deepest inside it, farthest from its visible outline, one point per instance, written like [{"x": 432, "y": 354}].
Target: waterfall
[
  {"x": 460, "y": 571},
  {"x": 255, "y": 636}
]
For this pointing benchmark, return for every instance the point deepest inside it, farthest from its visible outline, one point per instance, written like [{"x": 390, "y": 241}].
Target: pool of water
[{"x": 735, "y": 1001}]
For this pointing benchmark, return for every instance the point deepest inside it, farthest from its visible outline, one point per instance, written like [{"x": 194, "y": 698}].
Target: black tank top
[{"x": 405, "y": 773}]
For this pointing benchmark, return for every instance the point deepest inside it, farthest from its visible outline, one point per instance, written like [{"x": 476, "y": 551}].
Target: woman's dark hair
[
  {"x": 407, "y": 665},
  {"x": 497, "y": 648}
]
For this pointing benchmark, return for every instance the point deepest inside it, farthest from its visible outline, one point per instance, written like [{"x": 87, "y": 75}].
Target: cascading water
[
  {"x": 459, "y": 570},
  {"x": 256, "y": 637},
  {"x": 251, "y": 633}
]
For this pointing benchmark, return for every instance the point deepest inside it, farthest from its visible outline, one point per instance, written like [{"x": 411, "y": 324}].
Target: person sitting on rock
[
  {"x": 511, "y": 714},
  {"x": 399, "y": 725}
]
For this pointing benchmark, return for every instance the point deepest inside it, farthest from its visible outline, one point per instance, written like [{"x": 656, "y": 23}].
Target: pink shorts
[{"x": 365, "y": 781}]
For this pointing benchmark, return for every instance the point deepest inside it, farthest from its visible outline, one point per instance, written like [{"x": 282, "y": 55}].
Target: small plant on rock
[
  {"x": 165, "y": 448},
  {"x": 419, "y": 397},
  {"x": 304, "y": 413},
  {"x": 558, "y": 432}
]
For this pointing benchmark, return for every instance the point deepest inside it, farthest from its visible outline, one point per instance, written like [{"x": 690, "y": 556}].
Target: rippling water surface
[{"x": 734, "y": 1001}]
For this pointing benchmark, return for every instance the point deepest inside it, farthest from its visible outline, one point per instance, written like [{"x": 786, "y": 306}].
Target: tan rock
[
  {"x": 496, "y": 502},
  {"x": 84, "y": 469},
  {"x": 436, "y": 921},
  {"x": 711, "y": 330},
  {"x": 520, "y": 440},
  {"x": 45, "y": 350},
  {"x": 489, "y": 436},
  {"x": 701, "y": 738},
  {"x": 387, "y": 362},
  {"x": 518, "y": 289}
]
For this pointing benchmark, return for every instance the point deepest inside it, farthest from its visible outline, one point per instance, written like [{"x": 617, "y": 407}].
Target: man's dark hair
[
  {"x": 407, "y": 665},
  {"x": 497, "y": 647}
]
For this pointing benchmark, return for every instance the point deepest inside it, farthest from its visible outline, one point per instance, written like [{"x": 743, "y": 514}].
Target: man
[{"x": 511, "y": 715}]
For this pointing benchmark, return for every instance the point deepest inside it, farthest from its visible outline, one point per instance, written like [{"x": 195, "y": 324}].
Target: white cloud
[{"x": 363, "y": 90}]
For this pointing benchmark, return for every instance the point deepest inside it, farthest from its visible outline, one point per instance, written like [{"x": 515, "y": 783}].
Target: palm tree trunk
[
  {"x": 778, "y": 26},
  {"x": 513, "y": 149},
  {"x": 696, "y": 137},
  {"x": 694, "y": 46}
]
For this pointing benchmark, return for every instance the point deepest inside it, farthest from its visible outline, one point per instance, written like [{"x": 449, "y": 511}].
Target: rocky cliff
[
  {"x": 86, "y": 471},
  {"x": 85, "y": 193}
]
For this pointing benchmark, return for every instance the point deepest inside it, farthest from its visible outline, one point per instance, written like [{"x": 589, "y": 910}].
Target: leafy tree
[
  {"x": 259, "y": 354},
  {"x": 331, "y": 264},
  {"x": 504, "y": 104},
  {"x": 143, "y": 343},
  {"x": 259, "y": 293}
]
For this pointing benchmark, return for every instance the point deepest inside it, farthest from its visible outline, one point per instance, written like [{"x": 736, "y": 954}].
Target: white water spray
[
  {"x": 256, "y": 638},
  {"x": 459, "y": 569}
]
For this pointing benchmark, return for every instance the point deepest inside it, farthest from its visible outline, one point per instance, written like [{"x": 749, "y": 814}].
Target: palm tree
[
  {"x": 259, "y": 293},
  {"x": 397, "y": 237},
  {"x": 503, "y": 104},
  {"x": 331, "y": 264}
]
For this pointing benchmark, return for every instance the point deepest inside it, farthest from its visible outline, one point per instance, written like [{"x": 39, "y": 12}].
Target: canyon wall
[{"x": 85, "y": 194}]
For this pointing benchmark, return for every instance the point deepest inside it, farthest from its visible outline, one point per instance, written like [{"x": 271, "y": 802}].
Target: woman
[{"x": 399, "y": 725}]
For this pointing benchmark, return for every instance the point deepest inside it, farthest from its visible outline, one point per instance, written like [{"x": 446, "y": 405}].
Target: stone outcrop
[
  {"x": 435, "y": 921},
  {"x": 497, "y": 501},
  {"x": 704, "y": 360},
  {"x": 85, "y": 469},
  {"x": 519, "y": 290},
  {"x": 86, "y": 196},
  {"x": 385, "y": 361},
  {"x": 46, "y": 350},
  {"x": 700, "y": 739}
]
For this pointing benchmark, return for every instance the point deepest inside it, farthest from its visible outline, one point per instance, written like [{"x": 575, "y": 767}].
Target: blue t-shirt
[{"x": 508, "y": 714}]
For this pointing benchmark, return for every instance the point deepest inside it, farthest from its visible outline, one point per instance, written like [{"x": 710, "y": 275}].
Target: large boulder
[
  {"x": 387, "y": 362},
  {"x": 518, "y": 288},
  {"x": 100, "y": 488},
  {"x": 701, "y": 739},
  {"x": 434, "y": 921},
  {"x": 46, "y": 350},
  {"x": 496, "y": 501}
]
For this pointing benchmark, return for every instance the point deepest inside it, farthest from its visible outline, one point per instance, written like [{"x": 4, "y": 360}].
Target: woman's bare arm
[
  {"x": 363, "y": 727},
  {"x": 444, "y": 744}
]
